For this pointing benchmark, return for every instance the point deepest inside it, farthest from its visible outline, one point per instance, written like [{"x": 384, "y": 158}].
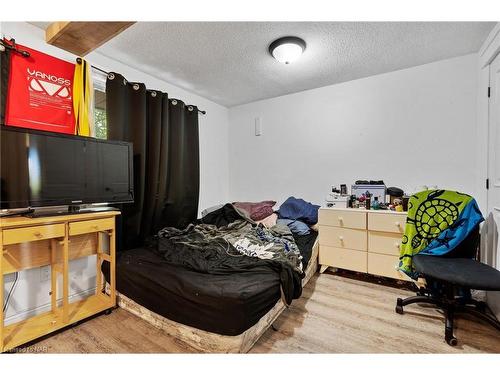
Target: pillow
[
  {"x": 256, "y": 210},
  {"x": 295, "y": 226},
  {"x": 269, "y": 221}
]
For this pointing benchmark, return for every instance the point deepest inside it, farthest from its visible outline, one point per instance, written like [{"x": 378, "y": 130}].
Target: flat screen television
[{"x": 39, "y": 169}]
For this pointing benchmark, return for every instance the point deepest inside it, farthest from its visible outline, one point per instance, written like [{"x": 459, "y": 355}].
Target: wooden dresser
[
  {"x": 361, "y": 240},
  {"x": 27, "y": 243}
]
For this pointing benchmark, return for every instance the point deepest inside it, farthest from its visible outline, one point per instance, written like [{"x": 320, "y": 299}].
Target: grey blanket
[{"x": 227, "y": 242}]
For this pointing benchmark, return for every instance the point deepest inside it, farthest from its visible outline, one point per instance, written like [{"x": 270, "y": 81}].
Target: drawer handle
[
  {"x": 96, "y": 227},
  {"x": 397, "y": 245},
  {"x": 341, "y": 219},
  {"x": 341, "y": 238},
  {"x": 37, "y": 234},
  {"x": 398, "y": 224}
]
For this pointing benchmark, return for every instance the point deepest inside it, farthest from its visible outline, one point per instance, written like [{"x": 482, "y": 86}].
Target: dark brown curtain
[
  {"x": 164, "y": 133},
  {"x": 183, "y": 182}
]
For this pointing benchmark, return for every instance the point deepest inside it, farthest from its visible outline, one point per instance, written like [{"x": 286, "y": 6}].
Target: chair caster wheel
[
  {"x": 108, "y": 311},
  {"x": 452, "y": 341},
  {"x": 399, "y": 306}
]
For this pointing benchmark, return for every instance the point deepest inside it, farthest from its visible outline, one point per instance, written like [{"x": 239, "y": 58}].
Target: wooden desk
[{"x": 29, "y": 243}]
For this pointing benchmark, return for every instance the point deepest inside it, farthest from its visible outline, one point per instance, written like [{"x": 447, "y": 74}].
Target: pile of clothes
[
  {"x": 227, "y": 242},
  {"x": 297, "y": 214}
]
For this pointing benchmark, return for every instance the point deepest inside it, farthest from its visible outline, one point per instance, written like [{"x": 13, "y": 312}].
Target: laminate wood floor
[{"x": 334, "y": 315}]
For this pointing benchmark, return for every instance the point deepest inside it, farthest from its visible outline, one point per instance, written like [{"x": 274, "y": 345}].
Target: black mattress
[{"x": 223, "y": 304}]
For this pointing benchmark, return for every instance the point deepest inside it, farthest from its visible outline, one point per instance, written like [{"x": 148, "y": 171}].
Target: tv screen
[{"x": 40, "y": 169}]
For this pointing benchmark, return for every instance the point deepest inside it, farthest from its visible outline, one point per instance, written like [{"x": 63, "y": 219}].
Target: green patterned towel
[{"x": 438, "y": 220}]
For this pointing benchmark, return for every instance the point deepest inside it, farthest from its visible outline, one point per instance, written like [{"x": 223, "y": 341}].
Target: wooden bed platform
[{"x": 209, "y": 342}]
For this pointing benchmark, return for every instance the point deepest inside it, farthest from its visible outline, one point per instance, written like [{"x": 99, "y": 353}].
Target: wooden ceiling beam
[{"x": 82, "y": 38}]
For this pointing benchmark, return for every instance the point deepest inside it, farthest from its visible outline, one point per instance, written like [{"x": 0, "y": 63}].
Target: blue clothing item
[
  {"x": 447, "y": 240},
  {"x": 295, "y": 226},
  {"x": 298, "y": 209}
]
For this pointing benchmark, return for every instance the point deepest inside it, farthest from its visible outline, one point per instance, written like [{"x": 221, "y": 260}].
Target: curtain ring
[
  {"x": 153, "y": 94},
  {"x": 136, "y": 86},
  {"x": 174, "y": 102},
  {"x": 190, "y": 108},
  {"x": 111, "y": 76}
]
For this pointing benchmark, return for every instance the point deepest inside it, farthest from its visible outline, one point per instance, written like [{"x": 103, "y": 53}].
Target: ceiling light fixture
[{"x": 287, "y": 49}]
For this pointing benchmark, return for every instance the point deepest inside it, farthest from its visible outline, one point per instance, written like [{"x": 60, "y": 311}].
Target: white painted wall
[
  {"x": 32, "y": 294},
  {"x": 410, "y": 127}
]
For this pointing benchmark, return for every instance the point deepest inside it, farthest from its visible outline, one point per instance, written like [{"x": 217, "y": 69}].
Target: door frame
[
  {"x": 492, "y": 184},
  {"x": 487, "y": 53}
]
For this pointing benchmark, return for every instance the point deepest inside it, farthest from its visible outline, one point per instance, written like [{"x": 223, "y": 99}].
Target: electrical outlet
[{"x": 45, "y": 273}]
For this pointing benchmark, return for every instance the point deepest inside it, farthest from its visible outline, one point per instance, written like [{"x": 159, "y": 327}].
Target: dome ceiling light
[{"x": 287, "y": 49}]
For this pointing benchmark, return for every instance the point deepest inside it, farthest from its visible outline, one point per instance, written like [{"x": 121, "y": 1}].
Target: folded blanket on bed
[
  {"x": 225, "y": 241},
  {"x": 295, "y": 226},
  {"x": 256, "y": 210}
]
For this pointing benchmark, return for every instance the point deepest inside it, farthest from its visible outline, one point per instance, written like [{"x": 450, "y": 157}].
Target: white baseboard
[{"x": 46, "y": 307}]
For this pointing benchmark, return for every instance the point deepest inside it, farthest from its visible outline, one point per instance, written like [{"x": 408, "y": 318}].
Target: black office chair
[{"x": 449, "y": 281}]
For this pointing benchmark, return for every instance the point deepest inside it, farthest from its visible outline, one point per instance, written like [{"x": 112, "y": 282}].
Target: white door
[
  {"x": 494, "y": 138},
  {"x": 493, "y": 298}
]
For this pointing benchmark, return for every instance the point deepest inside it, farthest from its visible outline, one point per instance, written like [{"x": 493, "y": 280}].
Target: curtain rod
[{"x": 79, "y": 61}]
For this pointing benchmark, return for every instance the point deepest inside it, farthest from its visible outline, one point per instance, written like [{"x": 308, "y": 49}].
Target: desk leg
[
  {"x": 53, "y": 275},
  {"x": 1, "y": 294},
  {"x": 65, "y": 274},
  {"x": 112, "y": 271},
  {"x": 98, "y": 277}
]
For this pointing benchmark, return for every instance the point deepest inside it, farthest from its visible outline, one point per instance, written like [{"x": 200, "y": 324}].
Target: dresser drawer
[
  {"x": 384, "y": 265},
  {"x": 386, "y": 222},
  {"x": 353, "y": 260},
  {"x": 354, "y": 239},
  {"x": 343, "y": 219},
  {"x": 42, "y": 232},
  {"x": 384, "y": 243},
  {"x": 90, "y": 226}
]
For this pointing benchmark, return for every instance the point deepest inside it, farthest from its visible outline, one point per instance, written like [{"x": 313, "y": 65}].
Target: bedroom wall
[
  {"x": 213, "y": 167},
  {"x": 410, "y": 128}
]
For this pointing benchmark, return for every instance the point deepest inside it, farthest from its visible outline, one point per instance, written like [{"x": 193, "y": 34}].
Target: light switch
[{"x": 258, "y": 126}]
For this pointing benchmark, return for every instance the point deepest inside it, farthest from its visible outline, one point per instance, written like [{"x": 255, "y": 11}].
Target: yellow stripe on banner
[{"x": 83, "y": 94}]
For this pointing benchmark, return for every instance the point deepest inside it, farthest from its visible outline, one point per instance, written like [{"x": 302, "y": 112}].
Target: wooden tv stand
[{"x": 36, "y": 242}]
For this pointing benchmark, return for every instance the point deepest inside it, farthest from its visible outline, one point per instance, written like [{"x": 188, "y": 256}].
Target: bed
[{"x": 218, "y": 312}]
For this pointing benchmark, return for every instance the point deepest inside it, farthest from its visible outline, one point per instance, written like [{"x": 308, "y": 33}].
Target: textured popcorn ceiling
[{"x": 228, "y": 62}]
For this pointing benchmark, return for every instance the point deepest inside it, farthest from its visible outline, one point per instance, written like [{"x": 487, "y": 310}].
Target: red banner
[{"x": 39, "y": 93}]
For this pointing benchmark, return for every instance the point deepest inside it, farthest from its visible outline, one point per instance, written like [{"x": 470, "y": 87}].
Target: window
[
  {"x": 101, "y": 130},
  {"x": 100, "y": 123}
]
